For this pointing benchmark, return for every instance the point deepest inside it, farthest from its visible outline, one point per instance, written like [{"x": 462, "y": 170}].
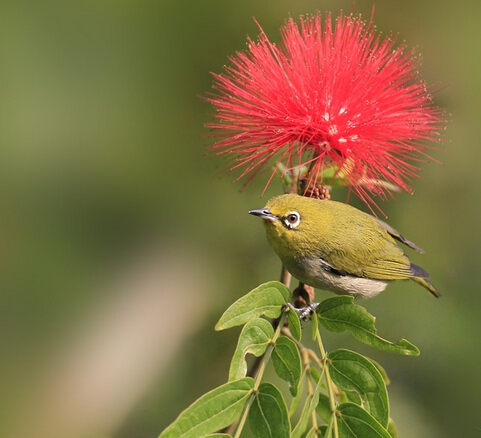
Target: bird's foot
[{"x": 304, "y": 313}]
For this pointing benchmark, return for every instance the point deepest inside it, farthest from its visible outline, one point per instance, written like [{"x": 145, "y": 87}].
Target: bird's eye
[{"x": 292, "y": 219}]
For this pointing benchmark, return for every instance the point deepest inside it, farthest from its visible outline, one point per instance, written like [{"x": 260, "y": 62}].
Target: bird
[{"x": 334, "y": 246}]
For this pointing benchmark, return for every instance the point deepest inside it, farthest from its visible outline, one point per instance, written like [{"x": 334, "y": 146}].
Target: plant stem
[
  {"x": 259, "y": 362},
  {"x": 245, "y": 412},
  {"x": 258, "y": 378},
  {"x": 285, "y": 276},
  {"x": 310, "y": 393},
  {"x": 330, "y": 384},
  {"x": 256, "y": 363}
]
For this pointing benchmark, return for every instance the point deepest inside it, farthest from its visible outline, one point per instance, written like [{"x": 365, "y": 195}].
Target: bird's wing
[
  {"x": 328, "y": 267},
  {"x": 397, "y": 235},
  {"x": 385, "y": 261}
]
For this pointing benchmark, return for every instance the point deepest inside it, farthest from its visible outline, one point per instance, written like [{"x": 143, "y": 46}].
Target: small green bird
[{"x": 334, "y": 246}]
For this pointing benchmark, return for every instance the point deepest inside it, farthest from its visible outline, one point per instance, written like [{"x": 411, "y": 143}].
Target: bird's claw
[{"x": 304, "y": 313}]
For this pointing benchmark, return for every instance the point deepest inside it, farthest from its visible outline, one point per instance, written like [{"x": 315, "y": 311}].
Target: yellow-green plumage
[{"x": 337, "y": 247}]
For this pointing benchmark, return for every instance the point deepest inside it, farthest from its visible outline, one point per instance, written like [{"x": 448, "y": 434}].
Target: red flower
[{"x": 341, "y": 98}]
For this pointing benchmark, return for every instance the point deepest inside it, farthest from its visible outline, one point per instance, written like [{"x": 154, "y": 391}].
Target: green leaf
[
  {"x": 315, "y": 374},
  {"x": 354, "y": 422},
  {"x": 314, "y": 327},
  {"x": 217, "y": 435},
  {"x": 294, "y": 325},
  {"x": 353, "y": 372},
  {"x": 268, "y": 413},
  {"x": 391, "y": 428},
  {"x": 287, "y": 362},
  {"x": 323, "y": 430},
  {"x": 339, "y": 314},
  {"x": 350, "y": 396},
  {"x": 266, "y": 299},
  {"x": 212, "y": 412},
  {"x": 323, "y": 408},
  {"x": 254, "y": 338},
  {"x": 382, "y": 371},
  {"x": 300, "y": 393},
  {"x": 309, "y": 406}
]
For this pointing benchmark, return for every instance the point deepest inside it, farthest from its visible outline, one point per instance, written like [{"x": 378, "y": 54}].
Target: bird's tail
[
  {"x": 427, "y": 284},
  {"x": 420, "y": 276}
]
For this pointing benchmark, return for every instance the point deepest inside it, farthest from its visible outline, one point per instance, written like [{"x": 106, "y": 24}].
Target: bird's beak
[{"x": 264, "y": 213}]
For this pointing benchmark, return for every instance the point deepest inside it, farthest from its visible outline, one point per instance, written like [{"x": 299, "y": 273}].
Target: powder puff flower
[{"x": 338, "y": 99}]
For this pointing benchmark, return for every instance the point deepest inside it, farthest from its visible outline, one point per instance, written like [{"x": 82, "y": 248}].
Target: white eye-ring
[{"x": 292, "y": 219}]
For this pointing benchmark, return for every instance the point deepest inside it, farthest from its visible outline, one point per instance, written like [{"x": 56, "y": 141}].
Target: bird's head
[{"x": 292, "y": 222}]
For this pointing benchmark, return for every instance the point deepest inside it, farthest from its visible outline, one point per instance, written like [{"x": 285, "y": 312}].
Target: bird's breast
[{"x": 313, "y": 272}]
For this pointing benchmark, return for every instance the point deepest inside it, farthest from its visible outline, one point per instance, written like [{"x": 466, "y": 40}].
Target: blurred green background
[{"x": 120, "y": 246}]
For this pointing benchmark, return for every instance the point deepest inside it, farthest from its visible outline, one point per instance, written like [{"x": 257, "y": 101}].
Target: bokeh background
[{"x": 120, "y": 245}]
